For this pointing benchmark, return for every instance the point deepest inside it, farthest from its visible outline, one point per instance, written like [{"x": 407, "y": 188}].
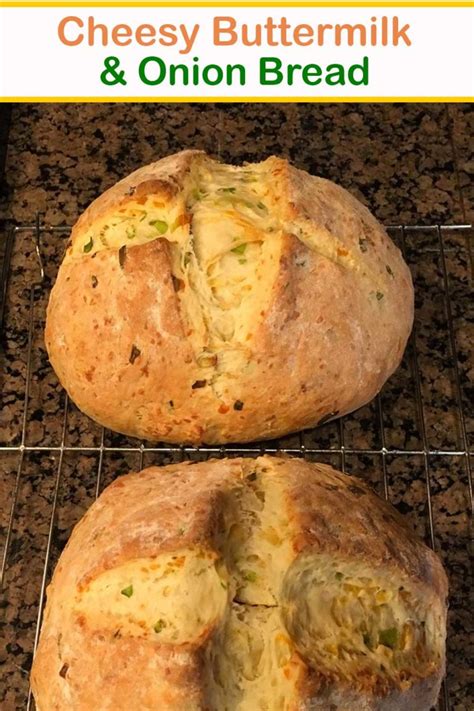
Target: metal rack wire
[{"x": 42, "y": 245}]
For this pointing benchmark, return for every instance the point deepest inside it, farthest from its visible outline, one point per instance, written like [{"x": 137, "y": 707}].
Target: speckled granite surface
[{"x": 409, "y": 163}]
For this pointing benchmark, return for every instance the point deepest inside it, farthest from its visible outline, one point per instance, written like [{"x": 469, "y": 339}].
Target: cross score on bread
[
  {"x": 202, "y": 302},
  {"x": 242, "y": 585}
]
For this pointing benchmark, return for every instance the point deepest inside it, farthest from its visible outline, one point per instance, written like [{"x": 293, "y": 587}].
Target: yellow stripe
[
  {"x": 236, "y": 99},
  {"x": 277, "y": 4}
]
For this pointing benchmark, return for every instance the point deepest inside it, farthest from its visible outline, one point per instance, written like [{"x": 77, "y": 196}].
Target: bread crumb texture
[
  {"x": 209, "y": 284},
  {"x": 255, "y": 598}
]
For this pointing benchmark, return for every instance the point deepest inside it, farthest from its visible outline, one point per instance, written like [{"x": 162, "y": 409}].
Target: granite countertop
[{"x": 410, "y": 163}]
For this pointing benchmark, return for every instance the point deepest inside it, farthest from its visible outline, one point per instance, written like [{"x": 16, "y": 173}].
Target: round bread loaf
[
  {"x": 242, "y": 585},
  {"x": 200, "y": 302}
]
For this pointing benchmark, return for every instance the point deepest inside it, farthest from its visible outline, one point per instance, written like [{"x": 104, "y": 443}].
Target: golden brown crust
[
  {"x": 132, "y": 311},
  {"x": 342, "y": 515},
  {"x": 164, "y": 178},
  {"x": 109, "y": 674},
  {"x": 335, "y": 327},
  {"x": 155, "y": 511},
  {"x": 179, "y": 506}
]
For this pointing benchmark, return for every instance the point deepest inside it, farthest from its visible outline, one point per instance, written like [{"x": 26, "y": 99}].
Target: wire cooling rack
[{"x": 413, "y": 443}]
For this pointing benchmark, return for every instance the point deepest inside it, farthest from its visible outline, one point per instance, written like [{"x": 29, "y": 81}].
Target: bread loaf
[
  {"x": 242, "y": 585},
  {"x": 201, "y": 302}
]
